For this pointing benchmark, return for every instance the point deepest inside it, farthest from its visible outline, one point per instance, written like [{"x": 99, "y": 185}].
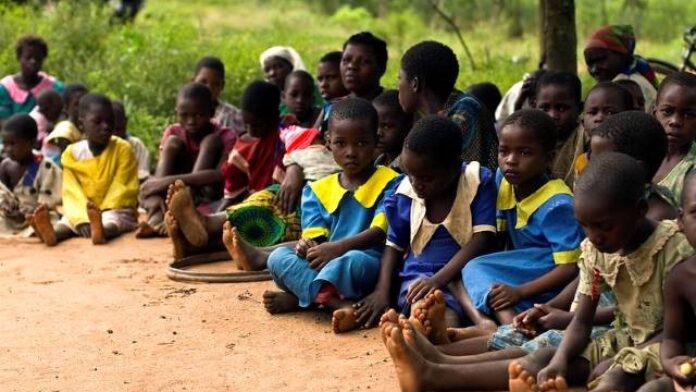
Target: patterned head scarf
[{"x": 617, "y": 38}]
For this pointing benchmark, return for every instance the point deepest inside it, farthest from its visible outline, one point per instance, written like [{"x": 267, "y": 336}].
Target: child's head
[
  {"x": 363, "y": 63},
  {"x": 527, "y": 145},
  {"x": 487, "y": 93},
  {"x": 559, "y": 95},
  {"x": 259, "y": 106},
  {"x": 31, "y": 51},
  {"x": 604, "y": 100},
  {"x": 394, "y": 123},
  {"x": 609, "y": 51},
  {"x": 19, "y": 136},
  {"x": 277, "y": 63},
  {"x": 636, "y": 92},
  {"x": 96, "y": 119},
  {"x": 298, "y": 93},
  {"x": 353, "y": 134},
  {"x": 194, "y": 109},
  {"x": 210, "y": 71},
  {"x": 610, "y": 201},
  {"x": 50, "y": 104},
  {"x": 432, "y": 155},
  {"x": 428, "y": 65},
  {"x": 635, "y": 133},
  {"x": 71, "y": 95},
  {"x": 675, "y": 108},
  {"x": 687, "y": 212},
  {"x": 329, "y": 76},
  {"x": 120, "y": 119}
]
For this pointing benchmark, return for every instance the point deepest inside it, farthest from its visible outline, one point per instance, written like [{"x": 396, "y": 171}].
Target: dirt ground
[{"x": 106, "y": 318}]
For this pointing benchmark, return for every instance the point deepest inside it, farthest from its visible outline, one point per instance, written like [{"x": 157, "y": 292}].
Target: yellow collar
[
  {"x": 330, "y": 192},
  {"x": 525, "y": 208}
]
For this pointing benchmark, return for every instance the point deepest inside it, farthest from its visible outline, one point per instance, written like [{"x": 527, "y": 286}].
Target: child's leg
[
  {"x": 294, "y": 276},
  {"x": 247, "y": 256},
  {"x": 209, "y": 156},
  {"x": 616, "y": 379},
  {"x": 663, "y": 384},
  {"x": 45, "y": 230},
  {"x": 505, "y": 316},
  {"x": 483, "y": 323},
  {"x": 105, "y": 225}
]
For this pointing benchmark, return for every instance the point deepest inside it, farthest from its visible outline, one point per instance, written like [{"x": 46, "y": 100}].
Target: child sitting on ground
[
  {"x": 191, "y": 150},
  {"x": 329, "y": 77},
  {"x": 210, "y": 71},
  {"x": 26, "y": 179},
  {"x": 559, "y": 95},
  {"x": 441, "y": 216},
  {"x": 49, "y": 106},
  {"x": 67, "y": 131},
  {"x": 536, "y": 215},
  {"x": 100, "y": 182},
  {"x": 121, "y": 130},
  {"x": 394, "y": 125},
  {"x": 675, "y": 108},
  {"x": 428, "y": 73}
]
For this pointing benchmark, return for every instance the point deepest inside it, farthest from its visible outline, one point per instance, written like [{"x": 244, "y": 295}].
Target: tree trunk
[{"x": 560, "y": 40}]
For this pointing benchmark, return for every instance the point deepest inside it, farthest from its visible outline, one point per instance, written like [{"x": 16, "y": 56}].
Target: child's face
[
  {"x": 276, "y": 69},
  {"x": 428, "y": 179},
  {"x": 258, "y": 126},
  {"x": 51, "y": 109},
  {"x": 330, "y": 83},
  {"x": 31, "y": 60},
  {"x": 15, "y": 147},
  {"x": 559, "y": 104},
  {"x": 352, "y": 144},
  {"x": 520, "y": 156},
  {"x": 687, "y": 214},
  {"x": 297, "y": 96},
  {"x": 212, "y": 79},
  {"x": 98, "y": 124},
  {"x": 604, "y": 64},
  {"x": 407, "y": 97},
  {"x": 74, "y": 104},
  {"x": 120, "y": 121},
  {"x": 193, "y": 116},
  {"x": 359, "y": 70},
  {"x": 638, "y": 98},
  {"x": 600, "y": 104},
  {"x": 676, "y": 111},
  {"x": 609, "y": 227},
  {"x": 390, "y": 132}
]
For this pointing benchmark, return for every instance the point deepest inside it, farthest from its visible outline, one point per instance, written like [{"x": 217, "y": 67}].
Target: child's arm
[
  {"x": 503, "y": 296},
  {"x": 676, "y": 307},
  {"x": 123, "y": 190},
  {"x": 290, "y": 188},
  {"x": 318, "y": 256}
]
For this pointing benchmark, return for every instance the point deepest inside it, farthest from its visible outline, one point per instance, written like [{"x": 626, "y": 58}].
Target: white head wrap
[{"x": 286, "y": 53}]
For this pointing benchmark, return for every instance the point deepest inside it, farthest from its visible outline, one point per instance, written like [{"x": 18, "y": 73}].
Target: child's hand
[
  {"x": 553, "y": 318},
  {"x": 526, "y": 322},
  {"x": 303, "y": 245},
  {"x": 676, "y": 366},
  {"x": 503, "y": 297},
  {"x": 320, "y": 255},
  {"x": 420, "y": 288},
  {"x": 83, "y": 230},
  {"x": 151, "y": 186},
  {"x": 371, "y": 308},
  {"x": 289, "y": 195}
]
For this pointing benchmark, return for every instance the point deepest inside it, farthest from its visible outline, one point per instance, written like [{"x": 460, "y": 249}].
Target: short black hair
[
  {"x": 613, "y": 177},
  {"x": 72, "y": 89},
  {"x": 31, "y": 41},
  {"x": 200, "y": 93},
  {"x": 378, "y": 46},
  {"x": 261, "y": 99},
  {"x": 22, "y": 126},
  {"x": 487, "y": 93},
  {"x": 332, "y": 57},
  {"x": 118, "y": 105},
  {"x": 388, "y": 98},
  {"x": 538, "y": 122},
  {"x": 683, "y": 79},
  {"x": 434, "y": 64},
  {"x": 638, "y": 135},
  {"x": 49, "y": 96},
  {"x": 436, "y": 137},
  {"x": 91, "y": 99},
  {"x": 354, "y": 109},
  {"x": 304, "y": 76},
  {"x": 624, "y": 93},
  {"x": 565, "y": 79},
  {"x": 211, "y": 62}
]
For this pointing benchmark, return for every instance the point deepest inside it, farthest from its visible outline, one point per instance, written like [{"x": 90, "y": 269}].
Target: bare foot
[
  {"x": 30, "y": 220},
  {"x": 411, "y": 367},
  {"x": 181, "y": 247},
  {"x": 95, "y": 224},
  {"x": 277, "y": 302},
  {"x": 419, "y": 342},
  {"x": 556, "y": 384},
  {"x": 388, "y": 320},
  {"x": 247, "y": 257},
  {"x": 431, "y": 314},
  {"x": 180, "y": 203},
  {"x": 343, "y": 320},
  {"x": 520, "y": 380},
  {"x": 457, "y": 334},
  {"x": 43, "y": 227}
]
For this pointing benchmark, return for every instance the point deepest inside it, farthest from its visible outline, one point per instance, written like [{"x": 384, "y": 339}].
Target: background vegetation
[{"x": 144, "y": 63}]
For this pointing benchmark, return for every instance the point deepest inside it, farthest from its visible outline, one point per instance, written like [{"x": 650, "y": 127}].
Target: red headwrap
[{"x": 617, "y": 38}]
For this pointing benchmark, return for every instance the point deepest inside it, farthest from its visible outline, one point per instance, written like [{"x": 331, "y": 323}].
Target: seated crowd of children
[{"x": 547, "y": 247}]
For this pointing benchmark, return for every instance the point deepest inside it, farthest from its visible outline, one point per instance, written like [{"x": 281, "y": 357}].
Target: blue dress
[
  {"x": 332, "y": 212},
  {"x": 544, "y": 233},
  {"x": 473, "y": 211}
]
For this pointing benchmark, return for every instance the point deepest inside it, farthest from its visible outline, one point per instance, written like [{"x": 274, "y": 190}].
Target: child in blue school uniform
[{"x": 336, "y": 261}]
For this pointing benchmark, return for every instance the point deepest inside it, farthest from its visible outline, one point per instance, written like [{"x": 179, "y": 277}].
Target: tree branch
[{"x": 454, "y": 26}]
